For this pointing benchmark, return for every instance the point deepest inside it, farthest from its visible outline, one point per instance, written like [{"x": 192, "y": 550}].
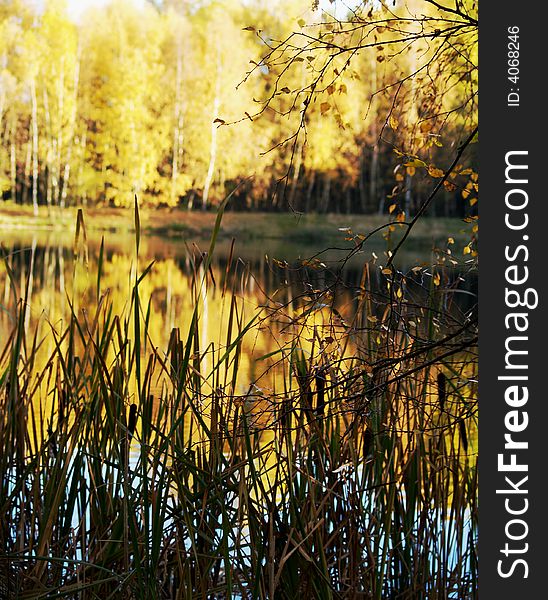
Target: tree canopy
[{"x": 310, "y": 106}]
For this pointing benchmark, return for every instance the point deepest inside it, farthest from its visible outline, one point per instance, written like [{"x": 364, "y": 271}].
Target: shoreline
[{"x": 169, "y": 223}]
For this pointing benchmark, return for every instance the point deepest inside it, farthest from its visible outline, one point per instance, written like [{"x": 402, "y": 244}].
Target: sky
[{"x": 78, "y": 7}]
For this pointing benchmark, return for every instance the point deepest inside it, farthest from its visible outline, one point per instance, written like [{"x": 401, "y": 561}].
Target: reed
[{"x": 129, "y": 471}]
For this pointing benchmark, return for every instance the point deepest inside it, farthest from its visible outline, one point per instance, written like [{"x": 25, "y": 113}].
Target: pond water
[
  {"x": 255, "y": 278},
  {"x": 49, "y": 254}
]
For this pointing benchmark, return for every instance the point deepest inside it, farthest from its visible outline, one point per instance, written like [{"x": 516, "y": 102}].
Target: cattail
[
  {"x": 175, "y": 351},
  {"x": 132, "y": 420},
  {"x": 441, "y": 390},
  {"x": 367, "y": 442},
  {"x": 285, "y": 414},
  {"x": 463, "y": 436}
]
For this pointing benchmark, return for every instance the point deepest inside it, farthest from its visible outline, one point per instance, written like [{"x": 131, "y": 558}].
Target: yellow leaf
[
  {"x": 301, "y": 22},
  {"x": 411, "y": 171},
  {"x": 372, "y": 319},
  {"x": 473, "y": 201},
  {"x": 415, "y": 162},
  {"x": 391, "y": 208},
  {"x": 425, "y": 126},
  {"x": 399, "y": 294},
  {"x": 434, "y": 172},
  {"x": 436, "y": 279},
  {"x": 401, "y": 217},
  {"x": 465, "y": 193},
  {"x": 324, "y": 107},
  {"x": 466, "y": 250},
  {"x": 450, "y": 240},
  {"x": 393, "y": 122},
  {"x": 387, "y": 271},
  {"x": 450, "y": 187}
]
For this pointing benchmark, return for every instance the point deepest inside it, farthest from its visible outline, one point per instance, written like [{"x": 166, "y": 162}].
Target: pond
[
  {"x": 284, "y": 404},
  {"x": 259, "y": 273}
]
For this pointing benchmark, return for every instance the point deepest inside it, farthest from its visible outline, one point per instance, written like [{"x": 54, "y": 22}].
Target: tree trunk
[
  {"x": 412, "y": 118},
  {"x": 326, "y": 193},
  {"x": 26, "y": 172},
  {"x": 81, "y": 161},
  {"x": 177, "y": 129},
  {"x": 59, "y": 142},
  {"x": 408, "y": 195},
  {"x": 309, "y": 191},
  {"x": 13, "y": 160},
  {"x": 361, "y": 182},
  {"x": 214, "y": 127},
  {"x": 49, "y": 152},
  {"x": 296, "y": 173},
  {"x": 73, "y": 116},
  {"x": 348, "y": 201},
  {"x": 374, "y": 198},
  {"x": 34, "y": 148}
]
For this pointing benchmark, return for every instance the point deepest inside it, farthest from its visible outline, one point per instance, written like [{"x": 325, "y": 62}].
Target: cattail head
[
  {"x": 132, "y": 420},
  {"x": 441, "y": 390},
  {"x": 320, "y": 391}
]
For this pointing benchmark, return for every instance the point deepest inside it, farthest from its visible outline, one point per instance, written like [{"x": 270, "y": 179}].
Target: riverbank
[{"x": 325, "y": 228}]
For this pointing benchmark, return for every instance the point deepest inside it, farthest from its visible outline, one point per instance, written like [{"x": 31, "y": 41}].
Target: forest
[
  {"x": 299, "y": 106},
  {"x": 238, "y": 300}
]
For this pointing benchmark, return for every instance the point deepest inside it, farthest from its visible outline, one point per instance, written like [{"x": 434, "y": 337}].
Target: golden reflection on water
[{"x": 51, "y": 273}]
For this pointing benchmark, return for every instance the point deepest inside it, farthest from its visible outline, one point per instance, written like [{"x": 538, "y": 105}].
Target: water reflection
[{"x": 51, "y": 273}]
